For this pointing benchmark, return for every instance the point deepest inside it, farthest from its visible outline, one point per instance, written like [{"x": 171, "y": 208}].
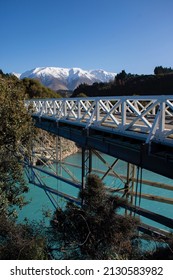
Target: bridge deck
[{"x": 146, "y": 117}]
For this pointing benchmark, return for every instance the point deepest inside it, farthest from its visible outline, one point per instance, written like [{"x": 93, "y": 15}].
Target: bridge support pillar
[
  {"x": 129, "y": 185},
  {"x": 32, "y": 162},
  {"x": 86, "y": 166},
  {"x": 58, "y": 156}
]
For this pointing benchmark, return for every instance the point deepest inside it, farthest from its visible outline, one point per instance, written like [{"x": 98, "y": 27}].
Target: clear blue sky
[{"x": 134, "y": 35}]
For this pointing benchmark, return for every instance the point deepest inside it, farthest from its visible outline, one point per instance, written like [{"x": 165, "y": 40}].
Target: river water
[{"x": 40, "y": 203}]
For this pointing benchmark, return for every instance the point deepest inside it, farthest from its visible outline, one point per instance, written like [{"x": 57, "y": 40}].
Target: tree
[
  {"x": 21, "y": 241},
  {"x": 162, "y": 70},
  {"x": 17, "y": 241},
  {"x": 120, "y": 78},
  {"x": 16, "y": 132},
  {"x": 95, "y": 231}
]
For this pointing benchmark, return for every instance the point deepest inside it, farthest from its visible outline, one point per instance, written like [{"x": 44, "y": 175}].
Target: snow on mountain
[
  {"x": 16, "y": 74},
  {"x": 58, "y": 78},
  {"x": 103, "y": 76}
]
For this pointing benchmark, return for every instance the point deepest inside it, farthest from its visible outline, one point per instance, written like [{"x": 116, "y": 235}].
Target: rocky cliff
[{"x": 49, "y": 148}]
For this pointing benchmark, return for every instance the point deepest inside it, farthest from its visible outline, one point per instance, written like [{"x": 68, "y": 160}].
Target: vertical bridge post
[
  {"x": 86, "y": 167},
  {"x": 129, "y": 186}
]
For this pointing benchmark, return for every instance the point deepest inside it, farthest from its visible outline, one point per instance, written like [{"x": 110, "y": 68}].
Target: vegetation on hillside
[
  {"x": 160, "y": 70},
  {"x": 28, "y": 88},
  {"x": 132, "y": 84},
  {"x": 95, "y": 231},
  {"x": 34, "y": 89},
  {"x": 21, "y": 241},
  {"x": 16, "y": 132}
]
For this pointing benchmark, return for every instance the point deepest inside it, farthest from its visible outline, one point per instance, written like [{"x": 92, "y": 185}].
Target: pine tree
[{"x": 95, "y": 231}]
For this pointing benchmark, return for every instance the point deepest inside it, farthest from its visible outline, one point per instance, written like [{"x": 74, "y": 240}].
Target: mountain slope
[{"x": 67, "y": 78}]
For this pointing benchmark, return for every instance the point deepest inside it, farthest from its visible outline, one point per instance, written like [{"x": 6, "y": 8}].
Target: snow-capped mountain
[
  {"x": 67, "y": 78},
  {"x": 16, "y": 74}
]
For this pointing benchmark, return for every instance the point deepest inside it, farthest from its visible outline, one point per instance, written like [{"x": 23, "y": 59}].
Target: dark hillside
[{"x": 128, "y": 84}]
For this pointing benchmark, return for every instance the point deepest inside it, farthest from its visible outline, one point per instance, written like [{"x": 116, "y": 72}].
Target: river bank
[{"x": 48, "y": 148}]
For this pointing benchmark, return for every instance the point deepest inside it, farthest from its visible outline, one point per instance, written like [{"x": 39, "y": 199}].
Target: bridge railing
[{"x": 146, "y": 117}]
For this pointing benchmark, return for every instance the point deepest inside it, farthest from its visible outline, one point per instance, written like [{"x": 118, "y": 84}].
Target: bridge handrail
[{"x": 146, "y": 117}]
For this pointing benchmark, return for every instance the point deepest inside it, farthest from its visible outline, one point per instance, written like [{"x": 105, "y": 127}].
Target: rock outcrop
[{"x": 48, "y": 148}]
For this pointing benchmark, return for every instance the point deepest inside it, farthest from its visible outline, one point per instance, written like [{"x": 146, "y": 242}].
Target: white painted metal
[{"x": 144, "y": 117}]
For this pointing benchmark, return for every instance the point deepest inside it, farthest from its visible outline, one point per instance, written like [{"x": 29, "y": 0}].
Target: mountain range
[{"x": 58, "y": 78}]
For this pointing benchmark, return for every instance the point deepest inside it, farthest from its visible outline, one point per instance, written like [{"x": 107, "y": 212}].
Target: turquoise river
[{"x": 40, "y": 203}]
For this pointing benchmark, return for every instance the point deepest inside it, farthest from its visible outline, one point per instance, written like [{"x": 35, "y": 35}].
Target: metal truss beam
[{"x": 143, "y": 117}]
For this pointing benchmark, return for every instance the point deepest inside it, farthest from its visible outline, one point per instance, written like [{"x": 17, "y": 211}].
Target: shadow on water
[{"x": 40, "y": 204}]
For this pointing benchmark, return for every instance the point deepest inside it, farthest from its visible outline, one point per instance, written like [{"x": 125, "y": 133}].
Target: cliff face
[
  {"x": 48, "y": 148},
  {"x": 68, "y": 147}
]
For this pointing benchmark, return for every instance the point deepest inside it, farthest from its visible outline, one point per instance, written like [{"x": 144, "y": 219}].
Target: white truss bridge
[
  {"x": 149, "y": 118},
  {"x": 96, "y": 125}
]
